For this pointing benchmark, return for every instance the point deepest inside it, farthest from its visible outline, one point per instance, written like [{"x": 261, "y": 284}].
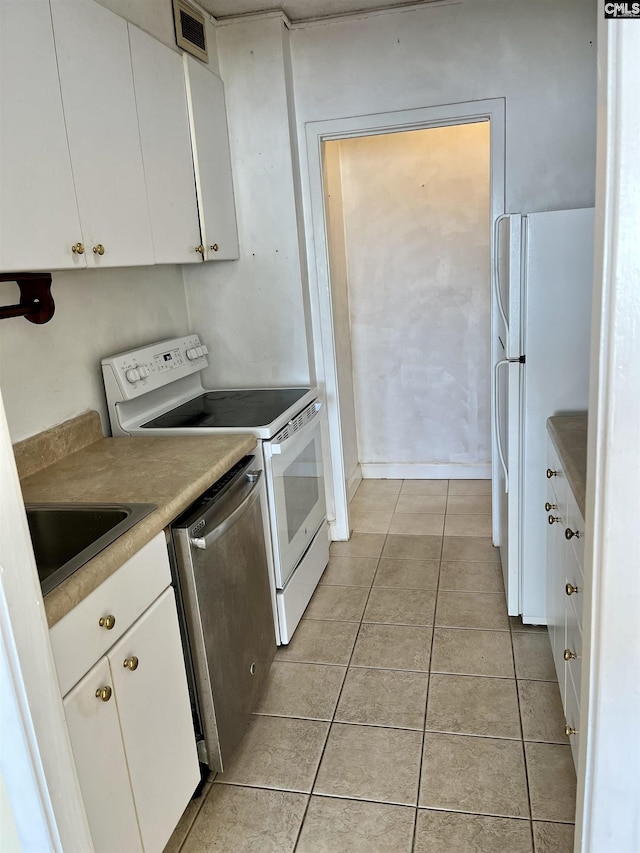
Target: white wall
[
  {"x": 540, "y": 56},
  {"x": 250, "y": 312},
  {"x": 156, "y": 18},
  {"x": 416, "y": 212},
  {"x": 52, "y": 372},
  {"x": 334, "y": 213}
]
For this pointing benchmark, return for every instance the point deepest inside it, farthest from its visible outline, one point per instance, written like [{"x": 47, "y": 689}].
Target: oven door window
[
  {"x": 298, "y": 498},
  {"x": 300, "y": 482}
]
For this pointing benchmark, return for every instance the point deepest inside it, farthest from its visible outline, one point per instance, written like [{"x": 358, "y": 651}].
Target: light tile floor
[{"x": 409, "y": 712}]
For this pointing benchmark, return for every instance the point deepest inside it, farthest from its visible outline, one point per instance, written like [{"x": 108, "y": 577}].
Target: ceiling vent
[{"x": 190, "y": 29}]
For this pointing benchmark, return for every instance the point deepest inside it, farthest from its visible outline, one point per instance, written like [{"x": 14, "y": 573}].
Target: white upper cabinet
[
  {"x": 212, "y": 161},
  {"x": 163, "y": 120},
  {"x": 96, "y": 79},
  {"x": 39, "y": 220}
]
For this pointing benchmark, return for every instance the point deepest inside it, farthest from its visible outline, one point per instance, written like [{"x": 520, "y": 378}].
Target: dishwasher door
[{"x": 224, "y": 582}]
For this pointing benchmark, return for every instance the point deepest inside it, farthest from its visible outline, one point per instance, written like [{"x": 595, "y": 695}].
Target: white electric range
[{"x": 158, "y": 390}]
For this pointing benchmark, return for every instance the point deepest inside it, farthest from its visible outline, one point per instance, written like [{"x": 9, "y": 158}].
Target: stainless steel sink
[{"x": 66, "y": 536}]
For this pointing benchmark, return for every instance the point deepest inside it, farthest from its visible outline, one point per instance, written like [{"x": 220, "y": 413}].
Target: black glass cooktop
[{"x": 251, "y": 408}]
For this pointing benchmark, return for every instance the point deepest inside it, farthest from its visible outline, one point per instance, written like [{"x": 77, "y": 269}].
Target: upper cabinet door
[
  {"x": 163, "y": 119},
  {"x": 212, "y": 160},
  {"x": 39, "y": 221},
  {"x": 96, "y": 79}
]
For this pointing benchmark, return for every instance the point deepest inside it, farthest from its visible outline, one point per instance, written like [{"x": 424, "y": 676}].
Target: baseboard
[
  {"x": 424, "y": 471},
  {"x": 353, "y": 482}
]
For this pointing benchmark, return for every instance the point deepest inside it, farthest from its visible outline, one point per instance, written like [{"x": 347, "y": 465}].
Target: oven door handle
[
  {"x": 276, "y": 447},
  {"x": 203, "y": 542}
]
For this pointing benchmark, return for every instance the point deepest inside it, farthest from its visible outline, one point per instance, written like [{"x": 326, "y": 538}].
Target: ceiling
[{"x": 300, "y": 10}]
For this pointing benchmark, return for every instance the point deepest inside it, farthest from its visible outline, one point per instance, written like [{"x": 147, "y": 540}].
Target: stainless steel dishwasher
[{"x": 222, "y": 581}]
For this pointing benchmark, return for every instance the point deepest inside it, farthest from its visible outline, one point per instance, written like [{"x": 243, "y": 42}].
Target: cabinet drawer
[
  {"x": 558, "y": 483},
  {"x": 78, "y": 640},
  {"x": 572, "y": 714},
  {"x": 574, "y": 644},
  {"x": 575, "y": 523},
  {"x": 574, "y": 578}
]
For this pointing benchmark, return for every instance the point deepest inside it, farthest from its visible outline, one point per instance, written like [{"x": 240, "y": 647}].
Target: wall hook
[{"x": 36, "y": 302}]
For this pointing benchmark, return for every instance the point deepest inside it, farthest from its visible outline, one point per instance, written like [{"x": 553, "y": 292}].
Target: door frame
[
  {"x": 321, "y": 309},
  {"x": 37, "y": 770},
  {"x": 609, "y": 761}
]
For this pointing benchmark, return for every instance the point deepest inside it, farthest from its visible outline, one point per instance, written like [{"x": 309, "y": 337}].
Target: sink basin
[{"x": 66, "y": 536}]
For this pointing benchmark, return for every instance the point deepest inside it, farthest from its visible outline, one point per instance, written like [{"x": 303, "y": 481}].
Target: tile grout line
[
  {"x": 524, "y": 751},
  {"x": 426, "y": 706},
  {"x": 331, "y": 722}
]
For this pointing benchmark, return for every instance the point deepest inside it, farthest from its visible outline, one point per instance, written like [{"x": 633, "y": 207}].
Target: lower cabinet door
[
  {"x": 97, "y": 747},
  {"x": 150, "y": 683}
]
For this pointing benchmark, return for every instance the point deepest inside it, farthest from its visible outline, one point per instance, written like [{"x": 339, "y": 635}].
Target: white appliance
[
  {"x": 158, "y": 390},
  {"x": 542, "y": 283}
]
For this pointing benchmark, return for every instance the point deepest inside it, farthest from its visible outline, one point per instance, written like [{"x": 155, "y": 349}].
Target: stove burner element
[{"x": 242, "y": 408}]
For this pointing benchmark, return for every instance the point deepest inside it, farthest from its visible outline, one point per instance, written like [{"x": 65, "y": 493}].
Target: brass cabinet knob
[
  {"x": 131, "y": 663},
  {"x": 570, "y": 589},
  {"x": 99, "y": 249},
  {"x": 551, "y": 473},
  {"x": 569, "y": 655},
  {"x": 78, "y": 249},
  {"x": 104, "y": 693},
  {"x": 569, "y": 533},
  {"x": 569, "y": 731},
  {"x": 107, "y": 622},
  {"x": 200, "y": 249},
  {"x": 214, "y": 247},
  {"x": 549, "y": 506},
  {"x": 554, "y": 519}
]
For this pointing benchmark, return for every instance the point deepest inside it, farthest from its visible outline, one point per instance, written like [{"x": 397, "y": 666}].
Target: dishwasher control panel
[{"x": 138, "y": 371}]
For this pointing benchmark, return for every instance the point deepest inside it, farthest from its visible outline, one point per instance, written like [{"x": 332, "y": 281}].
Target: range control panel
[{"x": 139, "y": 371}]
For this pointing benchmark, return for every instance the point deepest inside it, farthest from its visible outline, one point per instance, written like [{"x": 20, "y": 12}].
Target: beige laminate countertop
[
  {"x": 569, "y": 436},
  {"x": 170, "y": 472}
]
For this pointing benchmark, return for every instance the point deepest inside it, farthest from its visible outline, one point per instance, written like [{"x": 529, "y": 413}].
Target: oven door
[{"x": 295, "y": 482}]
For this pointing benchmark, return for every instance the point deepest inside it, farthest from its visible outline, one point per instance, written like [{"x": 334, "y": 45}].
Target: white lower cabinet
[
  {"x": 155, "y": 720},
  {"x": 131, "y": 730},
  {"x": 565, "y": 590},
  {"x": 101, "y": 763}
]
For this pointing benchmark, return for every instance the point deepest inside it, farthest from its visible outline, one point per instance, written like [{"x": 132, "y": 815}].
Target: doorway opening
[
  {"x": 401, "y": 313},
  {"x": 408, "y": 228}
]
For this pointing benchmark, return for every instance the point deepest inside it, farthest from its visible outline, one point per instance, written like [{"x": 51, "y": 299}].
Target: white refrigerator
[{"x": 542, "y": 284}]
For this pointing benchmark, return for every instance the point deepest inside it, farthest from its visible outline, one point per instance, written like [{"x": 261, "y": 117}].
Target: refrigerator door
[
  {"x": 507, "y": 426},
  {"x": 558, "y": 255},
  {"x": 507, "y": 282}
]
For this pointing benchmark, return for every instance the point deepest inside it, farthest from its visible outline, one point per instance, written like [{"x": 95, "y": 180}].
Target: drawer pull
[
  {"x": 569, "y": 533},
  {"x": 551, "y": 473},
  {"x": 104, "y": 693},
  {"x": 214, "y": 247},
  {"x": 554, "y": 519},
  {"x": 107, "y": 622},
  {"x": 78, "y": 249},
  {"x": 549, "y": 506},
  {"x": 131, "y": 663},
  {"x": 570, "y": 731},
  {"x": 570, "y": 589},
  {"x": 99, "y": 249},
  {"x": 569, "y": 655},
  {"x": 200, "y": 250}
]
